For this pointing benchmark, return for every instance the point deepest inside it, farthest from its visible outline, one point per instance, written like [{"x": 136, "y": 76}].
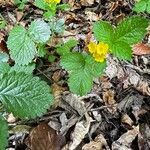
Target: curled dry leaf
[
  {"x": 81, "y": 129},
  {"x": 76, "y": 103},
  {"x": 141, "y": 49},
  {"x": 43, "y": 137},
  {"x": 127, "y": 120},
  {"x": 125, "y": 141},
  {"x": 108, "y": 98},
  {"x": 99, "y": 143}
]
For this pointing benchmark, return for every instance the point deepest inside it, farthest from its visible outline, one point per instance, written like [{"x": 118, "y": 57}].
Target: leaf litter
[{"x": 115, "y": 115}]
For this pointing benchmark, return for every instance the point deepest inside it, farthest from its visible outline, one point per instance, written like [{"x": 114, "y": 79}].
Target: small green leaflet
[
  {"x": 21, "y": 42},
  {"x": 39, "y": 31},
  {"x": 3, "y": 133},
  {"x": 24, "y": 95},
  {"x": 131, "y": 30},
  {"x": 120, "y": 39},
  {"x": 142, "y": 6},
  {"x": 82, "y": 70},
  {"x": 57, "y": 26},
  {"x": 73, "y": 61},
  {"x": 80, "y": 82},
  {"x": 103, "y": 31}
]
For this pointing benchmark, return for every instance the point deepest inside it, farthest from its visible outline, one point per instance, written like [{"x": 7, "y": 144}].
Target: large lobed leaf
[
  {"x": 22, "y": 48},
  {"x": 24, "y": 95},
  {"x": 22, "y": 42},
  {"x": 3, "y": 133},
  {"x": 82, "y": 70}
]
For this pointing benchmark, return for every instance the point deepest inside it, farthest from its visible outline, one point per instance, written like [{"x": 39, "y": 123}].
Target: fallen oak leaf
[{"x": 141, "y": 49}]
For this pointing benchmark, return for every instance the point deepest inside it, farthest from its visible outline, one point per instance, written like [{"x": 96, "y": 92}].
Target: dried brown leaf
[
  {"x": 125, "y": 141},
  {"x": 99, "y": 143},
  {"x": 43, "y": 137},
  {"x": 141, "y": 49},
  {"x": 81, "y": 129}
]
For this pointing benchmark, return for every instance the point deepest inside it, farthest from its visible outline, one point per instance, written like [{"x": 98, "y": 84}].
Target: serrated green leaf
[
  {"x": 80, "y": 82},
  {"x": 3, "y": 133},
  {"x": 22, "y": 48},
  {"x": 82, "y": 69},
  {"x": 28, "y": 69},
  {"x": 121, "y": 50},
  {"x": 103, "y": 31},
  {"x": 24, "y": 95},
  {"x": 39, "y": 31},
  {"x": 73, "y": 61},
  {"x": 4, "y": 67},
  {"x": 66, "y": 47},
  {"x": 131, "y": 30}
]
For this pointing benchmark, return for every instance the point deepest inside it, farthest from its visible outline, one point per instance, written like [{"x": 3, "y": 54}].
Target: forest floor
[{"x": 114, "y": 115}]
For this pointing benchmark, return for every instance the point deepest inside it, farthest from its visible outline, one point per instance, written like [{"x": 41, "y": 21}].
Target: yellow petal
[
  {"x": 92, "y": 47},
  {"x": 99, "y": 58}
]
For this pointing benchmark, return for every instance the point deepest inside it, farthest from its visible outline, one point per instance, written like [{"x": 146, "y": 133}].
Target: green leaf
[
  {"x": 103, "y": 31},
  {"x": 148, "y": 7},
  {"x": 80, "y": 82},
  {"x": 73, "y": 61},
  {"x": 24, "y": 95},
  {"x": 3, "y": 133},
  {"x": 63, "y": 6},
  {"x": 39, "y": 31},
  {"x": 82, "y": 70},
  {"x": 4, "y": 57},
  {"x": 140, "y": 6},
  {"x": 66, "y": 47},
  {"x": 57, "y": 26},
  {"x": 131, "y": 30},
  {"x": 121, "y": 50},
  {"x": 4, "y": 67},
  {"x": 22, "y": 48},
  {"x": 96, "y": 69},
  {"x": 40, "y": 4},
  {"x": 41, "y": 50},
  {"x": 28, "y": 69}
]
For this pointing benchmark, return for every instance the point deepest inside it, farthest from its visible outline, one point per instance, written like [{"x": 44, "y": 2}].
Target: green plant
[
  {"x": 83, "y": 68},
  {"x": 21, "y": 3},
  {"x": 50, "y": 7},
  {"x": 2, "y": 22},
  {"x": 142, "y": 6},
  {"x": 20, "y": 91},
  {"x": 22, "y": 43}
]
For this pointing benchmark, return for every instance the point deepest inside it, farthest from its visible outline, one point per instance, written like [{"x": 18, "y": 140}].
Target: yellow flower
[
  {"x": 99, "y": 51},
  {"x": 53, "y": 1}
]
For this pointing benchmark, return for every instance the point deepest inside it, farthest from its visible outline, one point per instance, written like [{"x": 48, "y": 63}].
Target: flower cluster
[
  {"x": 99, "y": 51},
  {"x": 53, "y": 1}
]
